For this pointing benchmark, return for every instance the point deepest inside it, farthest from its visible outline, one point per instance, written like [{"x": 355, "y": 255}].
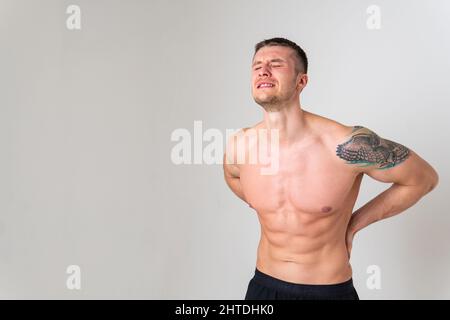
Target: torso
[{"x": 305, "y": 207}]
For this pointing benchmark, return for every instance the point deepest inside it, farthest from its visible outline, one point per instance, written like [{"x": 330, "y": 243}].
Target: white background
[{"x": 86, "y": 117}]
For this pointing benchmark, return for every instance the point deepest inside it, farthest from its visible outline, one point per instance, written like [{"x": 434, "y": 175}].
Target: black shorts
[{"x": 264, "y": 287}]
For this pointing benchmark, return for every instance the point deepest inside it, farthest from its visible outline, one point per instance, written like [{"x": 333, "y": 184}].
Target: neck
[{"x": 289, "y": 120}]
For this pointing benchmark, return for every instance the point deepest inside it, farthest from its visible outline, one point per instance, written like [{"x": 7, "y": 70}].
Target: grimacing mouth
[{"x": 265, "y": 84}]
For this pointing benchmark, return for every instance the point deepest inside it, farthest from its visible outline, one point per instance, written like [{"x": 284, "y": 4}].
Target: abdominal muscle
[{"x": 305, "y": 248}]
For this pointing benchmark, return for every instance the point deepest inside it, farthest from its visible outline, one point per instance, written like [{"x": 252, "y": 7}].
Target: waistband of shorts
[{"x": 298, "y": 288}]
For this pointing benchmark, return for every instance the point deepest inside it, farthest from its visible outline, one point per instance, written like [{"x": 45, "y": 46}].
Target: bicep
[{"x": 409, "y": 172}]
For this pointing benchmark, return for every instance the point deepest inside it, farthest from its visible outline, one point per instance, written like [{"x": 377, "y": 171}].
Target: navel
[{"x": 326, "y": 209}]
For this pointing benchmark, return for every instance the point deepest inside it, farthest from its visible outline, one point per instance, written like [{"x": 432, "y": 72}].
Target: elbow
[{"x": 434, "y": 180}]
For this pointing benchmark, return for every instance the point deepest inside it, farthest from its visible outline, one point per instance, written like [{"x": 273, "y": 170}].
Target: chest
[{"x": 309, "y": 179}]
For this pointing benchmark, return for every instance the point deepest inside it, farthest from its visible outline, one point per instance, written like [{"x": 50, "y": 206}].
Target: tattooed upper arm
[{"x": 369, "y": 153}]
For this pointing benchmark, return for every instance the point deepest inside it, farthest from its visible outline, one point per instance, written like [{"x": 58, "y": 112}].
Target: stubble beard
[
  {"x": 274, "y": 102},
  {"x": 269, "y": 104}
]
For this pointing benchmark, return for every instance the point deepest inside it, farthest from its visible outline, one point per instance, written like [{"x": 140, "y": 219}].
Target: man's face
[{"x": 274, "y": 77}]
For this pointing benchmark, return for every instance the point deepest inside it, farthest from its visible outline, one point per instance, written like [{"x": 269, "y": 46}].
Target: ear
[{"x": 302, "y": 80}]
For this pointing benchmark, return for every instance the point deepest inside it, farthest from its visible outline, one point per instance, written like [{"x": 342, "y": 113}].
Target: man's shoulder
[
  {"x": 236, "y": 142},
  {"x": 330, "y": 130},
  {"x": 252, "y": 129},
  {"x": 334, "y": 133}
]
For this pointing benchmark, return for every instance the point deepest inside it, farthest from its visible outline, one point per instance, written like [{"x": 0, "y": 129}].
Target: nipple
[{"x": 326, "y": 209}]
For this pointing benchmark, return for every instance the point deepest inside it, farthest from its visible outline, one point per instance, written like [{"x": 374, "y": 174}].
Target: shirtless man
[{"x": 305, "y": 208}]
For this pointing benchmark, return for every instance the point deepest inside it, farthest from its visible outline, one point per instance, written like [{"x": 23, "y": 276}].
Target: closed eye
[{"x": 277, "y": 65}]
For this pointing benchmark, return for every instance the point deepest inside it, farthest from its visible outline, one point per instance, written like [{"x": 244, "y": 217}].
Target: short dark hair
[{"x": 301, "y": 55}]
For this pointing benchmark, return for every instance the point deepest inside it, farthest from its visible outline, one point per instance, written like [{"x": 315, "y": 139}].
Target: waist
[
  {"x": 327, "y": 266},
  {"x": 301, "y": 289}
]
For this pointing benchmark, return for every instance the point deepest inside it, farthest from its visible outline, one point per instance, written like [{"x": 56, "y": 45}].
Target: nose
[{"x": 264, "y": 71}]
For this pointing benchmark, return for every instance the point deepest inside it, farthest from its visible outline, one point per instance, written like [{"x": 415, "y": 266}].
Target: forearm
[{"x": 391, "y": 202}]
